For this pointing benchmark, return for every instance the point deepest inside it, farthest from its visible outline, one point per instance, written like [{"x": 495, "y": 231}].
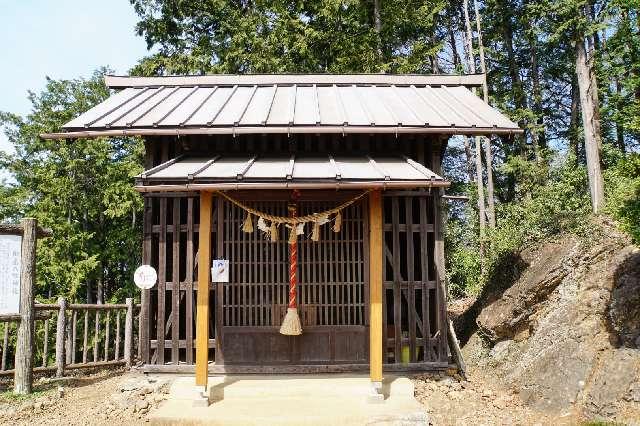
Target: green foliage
[
  {"x": 81, "y": 189},
  {"x": 622, "y": 191},
  {"x": 218, "y": 36},
  {"x": 551, "y": 200}
]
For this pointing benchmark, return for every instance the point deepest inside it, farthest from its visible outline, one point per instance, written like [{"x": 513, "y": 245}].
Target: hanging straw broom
[{"x": 291, "y": 322}]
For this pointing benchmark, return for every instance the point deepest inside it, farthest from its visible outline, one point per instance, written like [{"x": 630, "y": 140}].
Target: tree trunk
[
  {"x": 574, "y": 139},
  {"x": 519, "y": 97},
  {"x": 469, "y": 38},
  {"x": 590, "y": 115},
  {"x": 378, "y": 27},
  {"x": 491, "y": 210},
  {"x": 469, "y": 157},
  {"x": 619, "y": 124},
  {"x": 479, "y": 181},
  {"x": 537, "y": 135}
]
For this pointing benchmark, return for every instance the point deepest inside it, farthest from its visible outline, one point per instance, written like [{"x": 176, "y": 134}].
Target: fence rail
[{"x": 82, "y": 336}]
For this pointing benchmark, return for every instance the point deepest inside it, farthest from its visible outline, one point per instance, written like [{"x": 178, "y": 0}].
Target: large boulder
[{"x": 566, "y": 334}]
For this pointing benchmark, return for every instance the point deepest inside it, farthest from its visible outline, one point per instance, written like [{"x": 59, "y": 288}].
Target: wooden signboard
[{"x": 10, "y": 265}]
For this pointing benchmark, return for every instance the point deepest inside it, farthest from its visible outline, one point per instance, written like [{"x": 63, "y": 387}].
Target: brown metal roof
[
  {"x": 278, "y": 172},
  {"x": 237, "y": 104}
]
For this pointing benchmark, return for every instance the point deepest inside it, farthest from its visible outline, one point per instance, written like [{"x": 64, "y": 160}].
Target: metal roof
[
  {"x": 278, "y": 172},
  {"x": 241, "y": 104}
]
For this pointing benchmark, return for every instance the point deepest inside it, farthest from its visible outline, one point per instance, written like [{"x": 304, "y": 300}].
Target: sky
[{"x": 62, "y": 39}]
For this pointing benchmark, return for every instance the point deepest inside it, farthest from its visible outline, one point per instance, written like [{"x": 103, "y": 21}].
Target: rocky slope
[{"x": 565, "y": 336}]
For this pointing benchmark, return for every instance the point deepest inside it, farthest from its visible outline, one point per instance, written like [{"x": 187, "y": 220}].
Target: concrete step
[
  {"x": 321, "y": 399},
  {"x": 315, "y": 386}
]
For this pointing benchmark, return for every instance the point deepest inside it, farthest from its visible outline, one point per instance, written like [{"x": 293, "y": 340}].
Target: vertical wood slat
[
  {"x": 204, "y": 260},
  {"x": 189, "y": 284},
  {"x": 439, "y": 262},
  {"x": 219, "y": 355},
  {"x": 424, "y": 270},
  {"x": 96, "y": 336},
  {"x": 397, "y": 313},
  {"x": 86, "y": 335},
  {"x": 106, "y": 335},
  {"x": 5, "y": 346},
  {"x": 45, "y": 343},
  {"x": 145, "y": 299},
  {"x": 116, "y": 355},
  {"x": 61, "y": 327},
  {"x": 411, "y": 300},
  {"x": 74, "y": 329},
  {"x": 68, "y": 343},
  {"x": 162, "y": 280},
  {"x": 175, "y": 289}
]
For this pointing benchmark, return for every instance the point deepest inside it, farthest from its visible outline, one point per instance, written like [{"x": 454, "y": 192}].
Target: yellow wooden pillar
[
  {"x": 202, "y": 313},
  {"x": 375, "y": 287}
]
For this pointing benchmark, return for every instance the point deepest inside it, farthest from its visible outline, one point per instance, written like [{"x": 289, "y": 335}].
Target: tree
[
  {"x": 79, "y": 188},
  {"x": 277, "y": 36}
]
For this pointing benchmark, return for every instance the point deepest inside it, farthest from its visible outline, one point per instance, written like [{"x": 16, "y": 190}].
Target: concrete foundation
[{"x": 323, "y": 399}]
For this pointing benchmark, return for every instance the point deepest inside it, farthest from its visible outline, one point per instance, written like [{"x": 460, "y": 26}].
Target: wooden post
[
  {"x": 60, "y": 332},
  {"x": 375, "y": 287},
  {"x": 202, "y": 313},
  {"x": 128, "y": 334},
  {"x": 145, "y": 297},
  {"x": 23, "y": 377}
]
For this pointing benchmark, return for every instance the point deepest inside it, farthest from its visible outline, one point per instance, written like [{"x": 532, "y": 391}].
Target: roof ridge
[{"x": 469, "y": 80}]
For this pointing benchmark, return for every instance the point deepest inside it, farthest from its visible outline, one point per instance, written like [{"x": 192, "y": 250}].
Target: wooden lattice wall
[{"x": 333, "y": 292}]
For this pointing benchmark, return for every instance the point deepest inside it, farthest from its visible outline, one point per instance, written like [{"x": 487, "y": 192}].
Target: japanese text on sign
[{"x": 10, "y": 264}]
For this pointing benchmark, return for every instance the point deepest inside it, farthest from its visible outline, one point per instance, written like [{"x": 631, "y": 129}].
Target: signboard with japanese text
[{"x": 10, "y": 264}]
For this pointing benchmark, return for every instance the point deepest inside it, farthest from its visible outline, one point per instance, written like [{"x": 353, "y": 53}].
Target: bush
[
  {"x": 550, "y": 200},
  {"x": 622, "y": 191}
]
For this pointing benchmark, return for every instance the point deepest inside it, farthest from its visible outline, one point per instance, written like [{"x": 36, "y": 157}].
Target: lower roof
[
  {"x": 282, "y": 172},
  {"x": 290, "y": 104}
]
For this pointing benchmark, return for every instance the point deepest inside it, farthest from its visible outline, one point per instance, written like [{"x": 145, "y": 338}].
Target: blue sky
[{"x": 62, "y": 39}]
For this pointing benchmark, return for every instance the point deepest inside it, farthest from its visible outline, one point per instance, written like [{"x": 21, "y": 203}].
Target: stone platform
[{"x": 321, "y": 399}]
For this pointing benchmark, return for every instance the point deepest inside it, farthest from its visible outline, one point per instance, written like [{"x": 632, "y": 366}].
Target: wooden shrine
[{"x": 369, "y": 295}]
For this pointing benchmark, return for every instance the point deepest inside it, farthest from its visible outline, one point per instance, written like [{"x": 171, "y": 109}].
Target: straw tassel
[
  {"x": 291, "y": 323},
  {"x": 315, "y": 234},
  {"x": 293, "y": 236},
  {"x": 273, "y": 232},
  {"x": 247, "y": 226},
  {"x": 337, "y": 222}
]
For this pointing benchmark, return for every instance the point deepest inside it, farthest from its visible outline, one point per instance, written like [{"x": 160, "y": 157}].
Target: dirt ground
[
  {"x": 106, "y": 398},
  {"x": 478, "y": 400},
  {"x": 116, "y": 398}
]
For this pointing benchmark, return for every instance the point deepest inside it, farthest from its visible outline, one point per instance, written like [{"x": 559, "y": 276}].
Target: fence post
[
  {"x": 23, "y": 376},
  {"x": 60, "y": 340},
  {"x": 128, "y": 334}
]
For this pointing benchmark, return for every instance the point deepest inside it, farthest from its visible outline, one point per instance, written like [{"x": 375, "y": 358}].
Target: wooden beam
[
  {"x": 202, "y": 313},
  {"x": 375, "y": 286}
]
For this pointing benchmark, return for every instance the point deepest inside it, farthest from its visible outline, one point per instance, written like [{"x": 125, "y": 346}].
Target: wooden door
[{"x": 332, "y": 291}]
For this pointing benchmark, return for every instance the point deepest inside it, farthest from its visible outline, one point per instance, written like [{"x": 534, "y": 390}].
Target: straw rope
[{"x": 314, "y": 217}]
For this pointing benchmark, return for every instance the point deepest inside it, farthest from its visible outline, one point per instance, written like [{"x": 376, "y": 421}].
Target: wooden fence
[{"x": 73, "y": 336}]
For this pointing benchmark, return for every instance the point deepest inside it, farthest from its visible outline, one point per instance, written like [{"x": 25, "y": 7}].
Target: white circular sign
[{"x": 145, "y": 277}]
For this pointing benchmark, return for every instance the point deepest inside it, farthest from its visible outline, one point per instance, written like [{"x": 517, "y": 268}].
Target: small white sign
[
  {"x": 220, "y": 271},
  {"x": 10, "y": 264},
  {"x": 145, "y": 277}
]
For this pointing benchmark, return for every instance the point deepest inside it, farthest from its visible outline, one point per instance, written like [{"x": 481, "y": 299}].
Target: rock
[
  {"x": 142, "y": 405},
  {"x": 503, "y": 318},
  {"x": 565, "y": 332}
]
